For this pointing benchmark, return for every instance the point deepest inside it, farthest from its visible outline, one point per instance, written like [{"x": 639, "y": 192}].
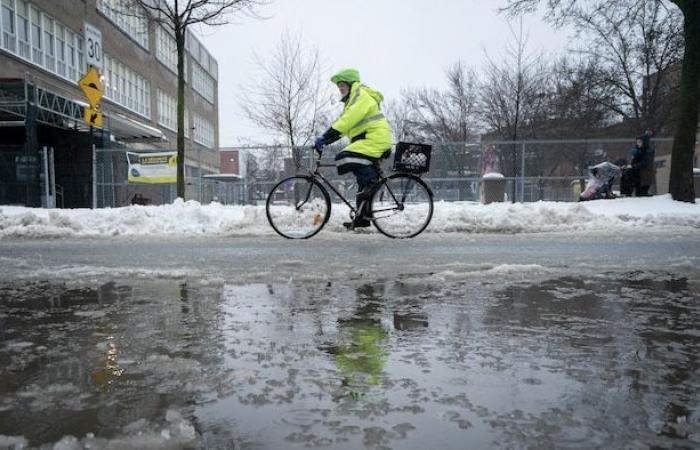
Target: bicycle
[{"x": 299, "y": 207}]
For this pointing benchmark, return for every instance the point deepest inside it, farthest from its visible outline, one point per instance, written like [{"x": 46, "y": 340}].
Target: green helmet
[{"x": 349, "y": 76}]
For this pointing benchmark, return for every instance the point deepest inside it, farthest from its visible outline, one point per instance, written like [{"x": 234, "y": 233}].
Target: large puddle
[{"x": 421, "y": 362}]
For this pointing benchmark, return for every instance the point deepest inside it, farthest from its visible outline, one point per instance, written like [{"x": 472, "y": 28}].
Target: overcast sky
[{"x": 395, "y": 44}]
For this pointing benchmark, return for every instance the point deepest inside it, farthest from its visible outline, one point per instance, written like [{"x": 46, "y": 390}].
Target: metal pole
[
  {"x": 52, "y": 179},
  {"x": 45, "y": 161},
  {"x": 199, "y": 163},
  {"x": 514, "y": 163},
  {"x": 522, "y": 173},
  {"x": 94, "y": 174},
  {"x": 111, "y": 169}
]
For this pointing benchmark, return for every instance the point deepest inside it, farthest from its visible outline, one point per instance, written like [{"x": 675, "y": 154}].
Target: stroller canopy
[{"x": 604, "y": 170}]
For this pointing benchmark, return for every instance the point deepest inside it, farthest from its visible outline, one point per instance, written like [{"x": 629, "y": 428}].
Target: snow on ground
[{"x": 192, "y": 218}]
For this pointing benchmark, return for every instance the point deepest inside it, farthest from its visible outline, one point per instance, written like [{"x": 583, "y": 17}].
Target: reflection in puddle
[
  {"x": 109, "y": 369},
  {"x": 412, "y": 363},
  {"x": 359, "y": 353}
]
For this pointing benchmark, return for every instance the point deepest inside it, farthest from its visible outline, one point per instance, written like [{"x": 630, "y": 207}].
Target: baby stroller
[{"x": 600, "y": 182}]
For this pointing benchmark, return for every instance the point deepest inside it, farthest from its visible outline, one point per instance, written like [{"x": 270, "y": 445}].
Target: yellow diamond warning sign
[
  {"x": 93, "y": 117},
  {"x": 92, "y": 86}
]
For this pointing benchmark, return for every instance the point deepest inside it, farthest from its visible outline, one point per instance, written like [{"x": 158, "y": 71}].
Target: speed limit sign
[{"x": 93, "y": 46}]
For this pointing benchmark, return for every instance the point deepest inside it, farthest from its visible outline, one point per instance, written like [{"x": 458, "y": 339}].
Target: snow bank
[{"x": 192, "y": 218}]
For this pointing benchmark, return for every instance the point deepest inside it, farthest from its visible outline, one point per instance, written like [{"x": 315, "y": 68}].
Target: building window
[
  {"x": 60, "y": 50},
  {"x": 127, "y": 88},
  {"x": 23, "y": 38},
  {"x": 128, "y": 18},
  {"x": 167, "y": 111},
  {"x": 203, "y": 131},
  {"x": 166, "y": 49},
  {"x": 49, "y": 45},
  {"x": 71, "y": 57},
  {"x": 202, "y": 82},
  {"x": 37, "y": 52},
  {"x": 9, "y": 38},
  {"x": 79, "y": 46},
  {"x": 199, "y": 54},
  {"x": 40, "y": 39}
]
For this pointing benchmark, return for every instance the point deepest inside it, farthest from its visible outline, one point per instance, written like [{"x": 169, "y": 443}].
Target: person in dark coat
[
  {"x": 626, "y": 181},
  {"x": 643, "y": 172}
]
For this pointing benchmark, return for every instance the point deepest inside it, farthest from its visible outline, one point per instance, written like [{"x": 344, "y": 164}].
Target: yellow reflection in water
[{"x": 109, "y": 369}]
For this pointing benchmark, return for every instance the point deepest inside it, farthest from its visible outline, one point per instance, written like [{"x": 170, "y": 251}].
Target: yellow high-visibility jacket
[{"x": 364, "y": 123}]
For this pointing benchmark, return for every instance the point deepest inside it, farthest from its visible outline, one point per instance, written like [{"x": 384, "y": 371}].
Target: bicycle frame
[{"x": 316, "y": 175}]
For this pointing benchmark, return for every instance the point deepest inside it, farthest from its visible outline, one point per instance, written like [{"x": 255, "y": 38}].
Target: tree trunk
[
  {"x": 180, "y": 42},
  {"x": 681, "y": 182}
]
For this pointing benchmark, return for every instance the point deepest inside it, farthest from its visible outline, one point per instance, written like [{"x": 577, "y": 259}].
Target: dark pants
[
  {"x": 631, "y": 183},
  {"x": 639, "y": 189},
  {"x": 627, "y": 182},
  {"x": 366, "y": 176},
  {"x": 642, "y": 190}
]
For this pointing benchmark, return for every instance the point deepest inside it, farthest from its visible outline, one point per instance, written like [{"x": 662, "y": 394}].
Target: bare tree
[
  {"x": 577, "y": 101},
  {"x": 445, "y": 116},
  {"x": 289, "y": 98},
  {"x": 649, "y": 12},
  {"x": 448, "y": 117},
  {"x": 178, "y": 16},
  {"x": 514, "y": 95},
  {"x": 636, "y": 50}
]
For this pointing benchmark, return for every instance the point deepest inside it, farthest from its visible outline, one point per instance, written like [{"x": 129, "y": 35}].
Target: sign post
[{"x": 93, "y": 88}]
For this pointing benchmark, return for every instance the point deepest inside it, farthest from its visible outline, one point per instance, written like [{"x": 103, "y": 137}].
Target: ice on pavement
[
  {"x": 193, "y": 218},
  {"x": 174, "y": 434}
]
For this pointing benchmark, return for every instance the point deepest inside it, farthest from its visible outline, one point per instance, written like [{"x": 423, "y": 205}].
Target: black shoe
[{"x": 357, "y": 223}]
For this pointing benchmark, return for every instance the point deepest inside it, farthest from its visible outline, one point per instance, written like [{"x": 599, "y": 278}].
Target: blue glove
[{"x": 319, "y": 143}]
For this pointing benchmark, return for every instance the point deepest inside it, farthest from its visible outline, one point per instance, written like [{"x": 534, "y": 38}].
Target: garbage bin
[
  {"x": 578, "y": 186},
  {"x": 493, "y": 187},
  {"x": 696, "y": 182}
]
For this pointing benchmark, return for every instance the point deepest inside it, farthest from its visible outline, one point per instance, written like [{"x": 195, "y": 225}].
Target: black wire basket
[{"x": 412, "y": 158}]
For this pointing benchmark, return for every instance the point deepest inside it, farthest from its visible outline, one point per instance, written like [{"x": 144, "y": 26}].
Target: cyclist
[{"x": 363, "y": 122}]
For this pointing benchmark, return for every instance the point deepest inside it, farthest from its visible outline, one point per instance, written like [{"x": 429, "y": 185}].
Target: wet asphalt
[{"x": 352, "y": 341}]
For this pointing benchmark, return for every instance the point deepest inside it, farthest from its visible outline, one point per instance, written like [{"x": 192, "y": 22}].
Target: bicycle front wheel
[
  {"x": 402, "y": 206},
  {"x": 298, "y": 207}
]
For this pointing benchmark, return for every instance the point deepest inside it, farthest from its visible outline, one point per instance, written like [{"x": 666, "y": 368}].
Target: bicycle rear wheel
[
  {"x": 298, "y": 207},
  {"x": 402, "y": 206}
]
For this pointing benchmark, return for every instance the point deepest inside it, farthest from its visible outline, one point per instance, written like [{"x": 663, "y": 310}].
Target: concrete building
[{"x": 43, "y": 135}]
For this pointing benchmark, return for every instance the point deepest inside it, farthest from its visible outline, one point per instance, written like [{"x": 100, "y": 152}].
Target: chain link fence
[{"x": 553, "y": 170}]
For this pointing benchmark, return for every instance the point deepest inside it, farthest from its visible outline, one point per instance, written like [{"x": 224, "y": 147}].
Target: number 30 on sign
[{"x": 93, "y": 46}]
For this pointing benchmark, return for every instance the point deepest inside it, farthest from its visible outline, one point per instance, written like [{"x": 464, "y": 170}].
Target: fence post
[{"x": 94, "y": 176}]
